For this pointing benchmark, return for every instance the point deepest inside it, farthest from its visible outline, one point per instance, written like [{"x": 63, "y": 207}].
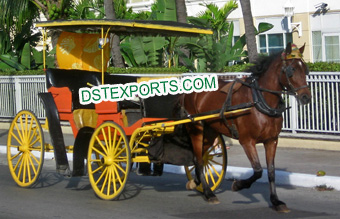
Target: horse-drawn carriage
[{"x": 112, "y": 135}]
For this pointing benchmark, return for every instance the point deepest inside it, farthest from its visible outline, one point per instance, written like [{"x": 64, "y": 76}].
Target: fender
[{"x": 56, "y": 134}]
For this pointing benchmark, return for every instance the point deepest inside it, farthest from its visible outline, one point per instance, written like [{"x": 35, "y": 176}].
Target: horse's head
[{"x": 294, "y": 72}]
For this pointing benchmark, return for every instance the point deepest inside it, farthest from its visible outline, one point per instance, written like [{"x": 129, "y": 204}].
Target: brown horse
[{"x": 271, "y": 77}]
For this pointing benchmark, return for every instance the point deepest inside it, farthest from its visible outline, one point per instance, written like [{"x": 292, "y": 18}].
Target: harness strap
[{"x": 226, "y": 105}]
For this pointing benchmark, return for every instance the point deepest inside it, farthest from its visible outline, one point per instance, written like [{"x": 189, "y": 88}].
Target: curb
[{"x": 281, "y": 177}]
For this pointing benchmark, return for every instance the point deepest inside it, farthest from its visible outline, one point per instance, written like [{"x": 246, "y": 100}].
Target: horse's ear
[
  {"x": 302, "y": 48},
  {"x": 289, "y": 48}
]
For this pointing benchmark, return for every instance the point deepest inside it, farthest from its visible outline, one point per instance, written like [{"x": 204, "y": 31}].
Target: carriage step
[
  {"x": 50, "y": 148},
  {"x": 141, "y": 159},
  {"x": 139, "y": 150}
]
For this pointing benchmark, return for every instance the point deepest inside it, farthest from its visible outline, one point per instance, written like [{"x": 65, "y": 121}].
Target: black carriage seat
[
  {"x": 76, "y": 79},
  {"x": 73, "y": 80},
  {"x": 160, "y": 106}
]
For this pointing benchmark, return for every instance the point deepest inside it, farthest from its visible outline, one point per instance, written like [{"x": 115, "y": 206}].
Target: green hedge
[
  {"x": 324, "y": 67},
  {"x": 110, "y": 70},
  {"x": 313, "y": 67},
  {"x": 25, "y": 72},
  {"x": 154, "y": 70}
]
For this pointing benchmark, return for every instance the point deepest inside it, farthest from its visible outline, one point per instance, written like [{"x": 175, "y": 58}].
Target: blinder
[{"x": 289, "y": 70}]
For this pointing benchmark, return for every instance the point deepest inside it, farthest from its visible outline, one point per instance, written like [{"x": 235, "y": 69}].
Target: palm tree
[
  {"x": 115, "y": 50},
  {"x": 216, "y": 18},
  {"x": 15, "y": 13},
  {"x": 181, "y": 11},
  {"x": 250, "y": 31}
]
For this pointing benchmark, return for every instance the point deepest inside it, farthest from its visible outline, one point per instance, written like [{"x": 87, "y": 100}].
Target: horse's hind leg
[
  {"x": 196, "y": 135},
  {"x": 278, "y": 205},
  {"x": 252, "y": 155}
]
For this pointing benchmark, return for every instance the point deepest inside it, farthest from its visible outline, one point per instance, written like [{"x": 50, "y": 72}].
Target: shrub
[
  {"x": 324, "y": 67},
  {"x": 24, "y": 72}
]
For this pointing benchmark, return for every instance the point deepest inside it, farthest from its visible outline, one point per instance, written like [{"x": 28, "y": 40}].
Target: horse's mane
[{"x": 262, "y": 64}]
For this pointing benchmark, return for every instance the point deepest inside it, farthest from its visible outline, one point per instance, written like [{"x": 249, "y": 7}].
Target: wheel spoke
[
  {"x": 98, "y": 151},
  {"x": 215, "y": 162},
  {"x": 101, "y": 176},
  {"x": 22, "y": 129},
  {"x": 35, "y": 159},
  {"x": 29, "y": 129},
  {"x": 16, "y": 138},
  {"x": 35, "y": 141},
  {"x": 32, "y": 163},
  {"x": 20, "y": 159},
  {"x": 109, "y": 181},
  {"x": 211, "y": 176},
  {"x": 96, "y": 170},
  {"x": 117, "y": 145},
  {"x": 105, "y": 139},
  {"x": 28, "y": 168},
  {"x": 212, "y": 167},
  {"x": 110, "y": 142},
  {"x": 15, "y": 156},
  {"x": 24, "y": 168},
  {"x": 105, "y": 180},
  {"x": 32, "y": 136},
  {"x": 26, "y": 127},
  {"x": 102, "y": 146},
  {"x": 119, "y": 152},
  {"x": 116, "y": 173},
  {"x": 120, "y": 168}
]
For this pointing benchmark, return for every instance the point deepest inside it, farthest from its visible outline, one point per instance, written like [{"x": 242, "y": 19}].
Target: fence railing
[{"x": 321, "y": 116}]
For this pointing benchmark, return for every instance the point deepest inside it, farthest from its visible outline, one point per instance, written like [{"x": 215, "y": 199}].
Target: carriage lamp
[{"x": 289, "y": 12}]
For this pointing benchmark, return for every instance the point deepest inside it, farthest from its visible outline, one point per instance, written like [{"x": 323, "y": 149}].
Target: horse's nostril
[{"x": 305, "y": 99}]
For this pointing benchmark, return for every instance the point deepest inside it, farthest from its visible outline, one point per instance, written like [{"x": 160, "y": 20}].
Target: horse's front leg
[
  {"x": 196, "y": 135},
  {"x": 252, "y": 155},
  {"x": 270, "y": 147}
]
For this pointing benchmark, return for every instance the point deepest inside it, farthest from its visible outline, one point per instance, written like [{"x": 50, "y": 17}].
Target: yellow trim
[
  {"x": 102, "y": 50},
  {"x": 44, "y": 35},
  {"x": 124, "y": 24},
  {"x": 162, "y": 126}
]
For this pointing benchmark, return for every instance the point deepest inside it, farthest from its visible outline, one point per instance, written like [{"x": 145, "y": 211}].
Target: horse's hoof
[
  {"x": 191, "y": 185},
  {"x": 281, "y": 208},
  {"x": 234, "y": 186},
  {"x": 214, "y": 201}
]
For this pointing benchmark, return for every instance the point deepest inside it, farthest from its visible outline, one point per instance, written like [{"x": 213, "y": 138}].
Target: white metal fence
[{"x": 321, "y": 116}]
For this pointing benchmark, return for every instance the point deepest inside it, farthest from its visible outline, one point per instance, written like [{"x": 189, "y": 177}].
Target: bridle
[{"x": 288, "y": 71}]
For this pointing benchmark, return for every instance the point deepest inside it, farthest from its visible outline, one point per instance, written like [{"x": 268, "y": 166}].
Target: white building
[{"x": 315, "y": 23}]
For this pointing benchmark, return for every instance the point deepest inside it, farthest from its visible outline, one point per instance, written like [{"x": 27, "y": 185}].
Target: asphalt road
[{"x": 164, "y": 197}]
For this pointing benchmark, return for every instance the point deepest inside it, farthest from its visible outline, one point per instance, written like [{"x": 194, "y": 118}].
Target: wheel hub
[
  {"x": 108, "y": 161},
  {"x": 23, "y": 148}
]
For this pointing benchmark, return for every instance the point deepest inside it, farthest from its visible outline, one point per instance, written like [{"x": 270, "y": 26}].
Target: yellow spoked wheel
[
  {"x": 109, "y": 160},
  {"x": 25, "y": 148},
  {"x": 215, "y": 164}
]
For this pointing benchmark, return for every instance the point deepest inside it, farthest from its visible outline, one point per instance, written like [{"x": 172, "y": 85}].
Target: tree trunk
[
  {"x": 115, "y": 47},
  {"x": 250, "y": 31},
  {"x": 181, "y": 11}
]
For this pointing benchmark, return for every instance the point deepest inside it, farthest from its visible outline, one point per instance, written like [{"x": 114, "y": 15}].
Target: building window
[
  {"x": 332, "y": 48},
  {"x": 273, "y": 43},
  {"x": 326, "y": 47},
  {"x": 317, "y": 46}
]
